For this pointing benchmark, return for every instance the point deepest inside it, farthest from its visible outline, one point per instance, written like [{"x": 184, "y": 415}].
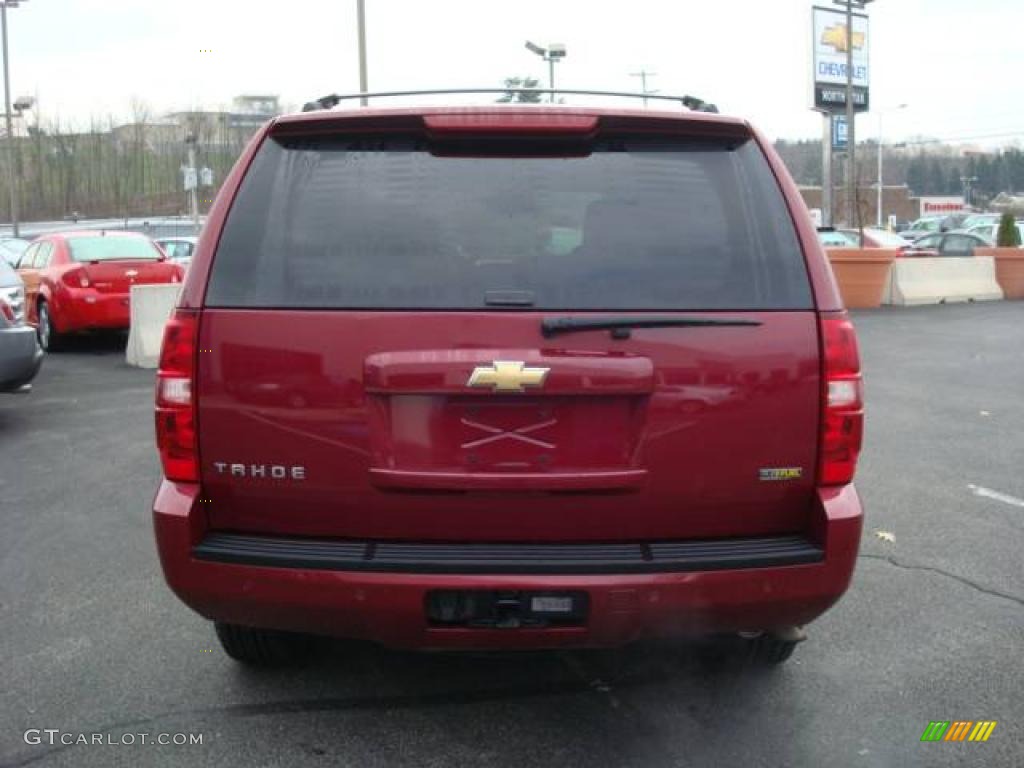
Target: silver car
[{"x": 20, "y": 355}]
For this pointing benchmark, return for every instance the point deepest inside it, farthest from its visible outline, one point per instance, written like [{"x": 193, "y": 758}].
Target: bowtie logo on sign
[{"x": 837, "y": 37}]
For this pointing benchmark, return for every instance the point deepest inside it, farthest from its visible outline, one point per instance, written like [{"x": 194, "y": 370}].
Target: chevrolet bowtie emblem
[{"x": 507, "y": 376}]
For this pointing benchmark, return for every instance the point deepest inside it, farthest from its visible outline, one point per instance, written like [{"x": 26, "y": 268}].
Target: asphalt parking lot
[{"x": 932, "y": 629}]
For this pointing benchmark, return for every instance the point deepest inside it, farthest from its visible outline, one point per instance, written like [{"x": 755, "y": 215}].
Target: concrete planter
[
  {"x": 861, "y": 273},
  {"x": 1009, "y": 269}
]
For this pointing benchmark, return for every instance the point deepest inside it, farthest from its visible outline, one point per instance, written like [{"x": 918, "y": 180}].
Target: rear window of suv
[{"x": 631, "y": 224}]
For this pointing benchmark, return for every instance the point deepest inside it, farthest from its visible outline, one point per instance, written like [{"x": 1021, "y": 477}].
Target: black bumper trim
[{"x": 404, "y": 557}]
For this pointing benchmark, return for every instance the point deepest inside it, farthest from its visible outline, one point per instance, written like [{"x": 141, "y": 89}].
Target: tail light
[
  {"x": 7, "y": 312},
  {"x": 175, "y": 407},
  {"x": 842, "y": 423},
  {"x": 76, "y": 278}
]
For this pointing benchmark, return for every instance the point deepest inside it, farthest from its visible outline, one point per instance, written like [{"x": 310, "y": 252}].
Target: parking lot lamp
[
  {"x": 881, "y": 146},
  {"x": 361, "y": 24},
  {"x": 4, "y": 5},
  {"x": 554, "y": 52}
]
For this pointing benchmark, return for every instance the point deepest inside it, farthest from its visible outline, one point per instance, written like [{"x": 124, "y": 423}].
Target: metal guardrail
[
  {"x": 332, "y": 100},
  {"x": 153, "y": 226}
]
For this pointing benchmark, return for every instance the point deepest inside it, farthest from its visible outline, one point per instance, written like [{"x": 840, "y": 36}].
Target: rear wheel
[
  {"x": 49, "y": 339},
  {"x": 260, "y": 647}
]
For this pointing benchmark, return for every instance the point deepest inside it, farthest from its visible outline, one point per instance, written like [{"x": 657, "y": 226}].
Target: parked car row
[
  {"x": 984, "y": 225},
  {"x": 870, "y": 237},
  {"x": 981, "y": 233},
  {"x": 67, "y": 282}
]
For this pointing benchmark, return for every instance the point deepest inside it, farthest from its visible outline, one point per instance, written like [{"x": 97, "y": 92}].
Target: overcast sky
[{"x": 957, "y": 63}]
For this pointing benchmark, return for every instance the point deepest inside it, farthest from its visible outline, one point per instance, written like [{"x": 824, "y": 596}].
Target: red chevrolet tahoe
[{"x": 508, "y": 377}]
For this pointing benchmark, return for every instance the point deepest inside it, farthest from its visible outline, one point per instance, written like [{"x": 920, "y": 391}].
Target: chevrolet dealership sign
[{"x": 832, "y": 41}]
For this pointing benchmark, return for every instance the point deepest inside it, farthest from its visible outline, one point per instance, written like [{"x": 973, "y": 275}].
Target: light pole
[
  {"x": 968, "y": 182},
  {"x": 361, "y": 21},
  {"x": 881, "y": 147},
  {"x": 554, "y": 52},
  {"x": 4, "y": 5},
  {"x": 192, "y": 174}
]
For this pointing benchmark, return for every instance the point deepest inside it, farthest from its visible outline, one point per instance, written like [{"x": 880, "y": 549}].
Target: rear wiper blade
[{"x": 552, "y": 326}]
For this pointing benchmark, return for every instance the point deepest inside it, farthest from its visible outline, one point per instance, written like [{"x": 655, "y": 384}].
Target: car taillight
[
  {"x": 76, "y": 278},
  {"x": 8, "y": 312},
  {"x": 842, "y": 423},
  {"x": 175, "y": 411}
]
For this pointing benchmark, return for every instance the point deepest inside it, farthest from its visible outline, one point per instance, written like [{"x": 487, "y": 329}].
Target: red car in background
[{"x": 81, "y": 281}]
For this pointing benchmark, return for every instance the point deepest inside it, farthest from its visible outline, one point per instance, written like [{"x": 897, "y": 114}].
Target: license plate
[
  {"x": 551, "y": 604},
  {"x": 506, "y": 609}
]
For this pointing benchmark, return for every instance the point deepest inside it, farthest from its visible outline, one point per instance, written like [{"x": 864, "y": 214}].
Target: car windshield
[
  {"x": 978, "y": 219},
  {"x": 14, "y": 245},
  {"x": 885, "y": 239},
  {"x": 7, "y": 275},
  {"x": 119, "y": 248},
  {"x": 630, "y": 225},
  {"x": 836, "y": 239},
  {"x": 11, "y": 250}
]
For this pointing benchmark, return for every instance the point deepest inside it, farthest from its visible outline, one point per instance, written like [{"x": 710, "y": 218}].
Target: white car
[
  {"x": 178, "y": 249},
  {"x": 991, "y": 231}
]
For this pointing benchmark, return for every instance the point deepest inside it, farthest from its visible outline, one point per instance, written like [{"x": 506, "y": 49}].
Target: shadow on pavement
[{"x": 95, "y": 343}]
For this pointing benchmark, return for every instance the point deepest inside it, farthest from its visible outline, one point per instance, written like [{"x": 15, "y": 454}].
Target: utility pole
[
  {"x": 851, "y": 150},
  {"x": 851, "y": 140},
  {"x": 643, "y": 75},
  {"x": 10, "y": 126},
  {"x": 361, "y": 21}
]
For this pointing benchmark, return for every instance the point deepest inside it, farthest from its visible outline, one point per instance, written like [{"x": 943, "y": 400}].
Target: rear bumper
[
  {"x": 86, "y": 309},
  {"x": 389, "y": 606},
  {"x": 20, "y": 357}
]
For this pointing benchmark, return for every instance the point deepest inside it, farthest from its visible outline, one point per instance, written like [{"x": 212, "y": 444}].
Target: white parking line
[{"x": 988, "y": 493}]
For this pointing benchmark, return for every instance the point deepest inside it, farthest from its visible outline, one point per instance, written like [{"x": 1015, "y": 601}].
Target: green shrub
[{"x": 1008, "y": 235}]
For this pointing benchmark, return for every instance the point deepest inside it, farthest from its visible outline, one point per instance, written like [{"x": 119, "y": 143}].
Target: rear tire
[
  {"x": 260, "y": 647},
  {"x": 771, "y": 650},
  {"x": 49, "y": 339}
]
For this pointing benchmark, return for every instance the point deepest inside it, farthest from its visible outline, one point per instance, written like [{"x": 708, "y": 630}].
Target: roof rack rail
[{"x": 332, "y": 100}]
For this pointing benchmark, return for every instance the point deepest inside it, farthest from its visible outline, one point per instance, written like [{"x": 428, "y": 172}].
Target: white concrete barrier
[
  {"x": 151, "y": 308},
  {"x": 942, "y": 279}
]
